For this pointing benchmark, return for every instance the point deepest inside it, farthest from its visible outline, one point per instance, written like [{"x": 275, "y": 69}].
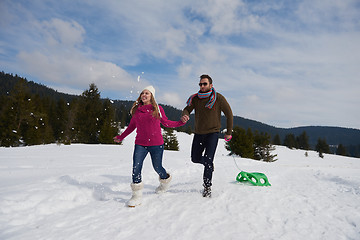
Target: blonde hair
[{"x": 155, "y": 113}]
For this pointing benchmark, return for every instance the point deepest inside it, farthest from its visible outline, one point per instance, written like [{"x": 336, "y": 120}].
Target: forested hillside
[{"x": 32, "y": 113}]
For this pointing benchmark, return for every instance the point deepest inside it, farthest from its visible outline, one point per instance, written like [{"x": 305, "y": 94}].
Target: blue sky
[{"x": 283, "y": 63}]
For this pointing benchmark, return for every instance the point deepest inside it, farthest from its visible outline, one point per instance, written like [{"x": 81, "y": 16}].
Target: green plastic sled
[{"x": 257, "y": 179}]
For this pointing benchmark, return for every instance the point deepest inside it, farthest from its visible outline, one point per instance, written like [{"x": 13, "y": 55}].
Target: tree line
[
  {"x": 302, "y": 142},
  {"x": 42, "y": 116},
  {"x": 251, "y": 145},
  {"x": 258, "y": 146},
  {"x": 28, "y": 119}
]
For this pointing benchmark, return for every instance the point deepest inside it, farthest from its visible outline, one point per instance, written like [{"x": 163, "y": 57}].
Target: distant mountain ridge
[{"x": 333, "y": 135}]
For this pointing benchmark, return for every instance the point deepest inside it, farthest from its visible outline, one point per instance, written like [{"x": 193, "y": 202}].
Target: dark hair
[{"x": 206, "y": 76}]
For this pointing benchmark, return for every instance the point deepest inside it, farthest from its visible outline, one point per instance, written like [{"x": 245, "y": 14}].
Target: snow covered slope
[{"x": 80, "y": 192}]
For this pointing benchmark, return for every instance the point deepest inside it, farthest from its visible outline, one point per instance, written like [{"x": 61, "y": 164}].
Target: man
[{"x": 208, "y": 105}]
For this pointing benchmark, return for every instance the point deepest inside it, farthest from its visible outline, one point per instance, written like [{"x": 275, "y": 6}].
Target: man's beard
[{"x": 205, "y": 91}]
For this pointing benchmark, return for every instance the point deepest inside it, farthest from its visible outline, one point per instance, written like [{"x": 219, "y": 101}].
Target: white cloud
[
  {"x": 61, "y": 62},
  {"x": 171, "y": 98},
  {"x": 172, "y": 42},
  {"x": 232, "y": 18},
  {"x": 74, "y": 69},
  {"x": 185, "y": 71},
  {"x": 341, "y": 15},
  {"x": 280, "y": 54},
  {"x": 58, "y": 32}
]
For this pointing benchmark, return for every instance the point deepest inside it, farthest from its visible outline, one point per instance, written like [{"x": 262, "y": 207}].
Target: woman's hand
[
  {"x": 185, "y": 118},
  {"x": 116, "y": 140}
]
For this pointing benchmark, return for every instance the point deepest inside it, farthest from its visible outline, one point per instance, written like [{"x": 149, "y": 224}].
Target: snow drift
[{"x": 80, "y": 192}]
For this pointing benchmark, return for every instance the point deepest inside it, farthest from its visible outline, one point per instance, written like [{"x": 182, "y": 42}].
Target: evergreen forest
[{"x": 32, "y": 114}]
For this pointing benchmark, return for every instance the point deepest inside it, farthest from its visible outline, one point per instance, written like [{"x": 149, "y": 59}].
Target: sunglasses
[{"x": 203, "y": 84}]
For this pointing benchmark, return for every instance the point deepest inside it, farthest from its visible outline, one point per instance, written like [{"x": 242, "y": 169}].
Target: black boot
[{"x": 206, "y": 192}]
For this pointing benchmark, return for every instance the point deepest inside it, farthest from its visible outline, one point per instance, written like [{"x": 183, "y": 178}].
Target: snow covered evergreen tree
[
  {"x": 263, "y": 147},
  {"x": 170, "y": 140}
]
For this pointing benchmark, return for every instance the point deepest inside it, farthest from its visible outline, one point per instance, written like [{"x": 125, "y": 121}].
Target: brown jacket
[{"x": 209, "y": 120}]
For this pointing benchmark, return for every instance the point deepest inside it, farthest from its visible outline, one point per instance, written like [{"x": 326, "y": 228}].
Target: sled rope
[{"x": 255, "y": 178}]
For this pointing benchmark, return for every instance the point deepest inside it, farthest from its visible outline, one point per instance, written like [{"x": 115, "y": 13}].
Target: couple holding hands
[{"x": 146, "y": 118}]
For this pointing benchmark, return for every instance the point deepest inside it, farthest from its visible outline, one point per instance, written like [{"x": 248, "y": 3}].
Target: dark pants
[
  {"x": 203, "y": 152},
  {"x": 140, "y": 152}
]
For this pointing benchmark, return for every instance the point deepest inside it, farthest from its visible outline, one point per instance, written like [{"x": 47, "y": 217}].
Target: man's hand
[
  {"x": 116, "y": 140},
  {"x": 185, "y": 118}
]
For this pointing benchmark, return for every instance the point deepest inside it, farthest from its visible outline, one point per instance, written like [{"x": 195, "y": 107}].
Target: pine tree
[
  {"x": 9, "y": 134},
  {"x": 303, "y": 141},
  {"x": 24, "y": 108},
  {"x": 276, "y": 140},
  {"x": 123, "y": 115},
  {"x": 24, "y": 118},
  {"x": 59, "y": 119},
  {"x": 170, "y": 140},
  {"x": 341, "y": 150},
  {"x": 322, "y": 147},
  {"x": 42, "y": 131},
  {"x": 109, "y": 128},
  {"x": 88, "y": 116},
  {"x": 263, "y": 147},
  {"x": 290, "y": 141},
  {"x": 70, "y": 133},
  {"x": 241, "y": 143}
]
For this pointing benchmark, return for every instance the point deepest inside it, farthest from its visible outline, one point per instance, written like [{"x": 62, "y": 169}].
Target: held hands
[
  {"x": 116, "y": 140},
  {"x": 227, "y": 138},
  {"x": 185, "y": 118}
]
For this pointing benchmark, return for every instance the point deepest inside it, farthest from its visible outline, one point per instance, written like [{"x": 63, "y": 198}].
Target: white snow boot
[
  {"x": 136, "y": 197},
  {"x": 164, "y": 184}
]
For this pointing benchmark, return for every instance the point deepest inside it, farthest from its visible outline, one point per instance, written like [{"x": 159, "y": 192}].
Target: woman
[{"x": 146, "y": 118}]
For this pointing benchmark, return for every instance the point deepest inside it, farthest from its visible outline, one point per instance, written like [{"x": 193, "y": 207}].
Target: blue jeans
[
  {"x": 208, "y": 143},
  {"x": 140, "y": 152}
]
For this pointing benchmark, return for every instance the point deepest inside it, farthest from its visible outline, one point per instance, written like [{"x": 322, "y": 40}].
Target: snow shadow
[
  {"x": 348, "y": 186},
  {"x": 184, "y": 188},
  {"x": 103, "y": 191}
]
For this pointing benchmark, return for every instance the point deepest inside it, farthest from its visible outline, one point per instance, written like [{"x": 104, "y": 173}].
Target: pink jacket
[{"x": 148, "y": 131}]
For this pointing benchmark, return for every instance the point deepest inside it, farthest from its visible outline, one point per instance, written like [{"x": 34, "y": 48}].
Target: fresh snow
[{"x": 80, "y": 192}]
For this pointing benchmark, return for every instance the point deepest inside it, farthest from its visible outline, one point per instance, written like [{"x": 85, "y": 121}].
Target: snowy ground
[{"x": 80, "y": 192}]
